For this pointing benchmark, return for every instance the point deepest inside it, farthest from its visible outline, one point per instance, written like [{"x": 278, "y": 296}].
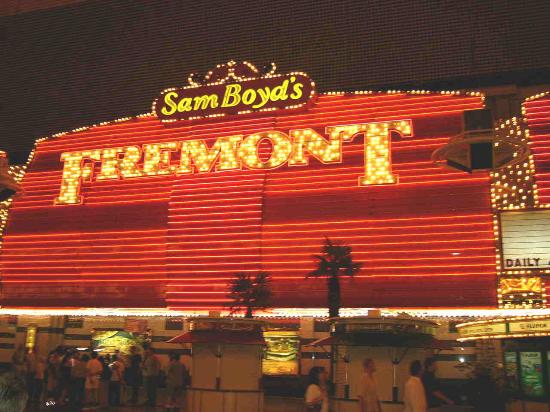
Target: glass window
[
  {"x": 532, "y": 382},
  {"x": 511, "y": 365}
]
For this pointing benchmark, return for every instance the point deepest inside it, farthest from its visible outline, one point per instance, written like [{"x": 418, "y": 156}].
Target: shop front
[{"x": 523, "y": 344}]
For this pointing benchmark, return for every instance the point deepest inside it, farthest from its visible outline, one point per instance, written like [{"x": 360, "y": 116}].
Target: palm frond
[
  {"x": 249, "y": 293},
  {"x": 334, "y": 262}
]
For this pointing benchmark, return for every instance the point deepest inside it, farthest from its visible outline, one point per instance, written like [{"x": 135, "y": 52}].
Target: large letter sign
[
  {"x": 234, "y": 152},
  {"x": 234, "y": 89}
]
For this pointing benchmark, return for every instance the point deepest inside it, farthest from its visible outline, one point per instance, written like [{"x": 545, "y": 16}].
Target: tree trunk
[
  {"x": 333, "y": 297},
  {"x": 248, "y": 312}
]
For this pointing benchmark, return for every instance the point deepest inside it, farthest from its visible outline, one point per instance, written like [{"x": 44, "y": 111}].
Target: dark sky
[{"x": 98, "y": 60}]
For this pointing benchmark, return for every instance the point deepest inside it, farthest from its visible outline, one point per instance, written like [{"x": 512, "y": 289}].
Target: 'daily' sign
[{"x": 233, "y": 89}]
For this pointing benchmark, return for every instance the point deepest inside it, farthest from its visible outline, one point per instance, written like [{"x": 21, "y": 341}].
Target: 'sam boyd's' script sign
[
  {"x": 525, "y": 240},
  {"x": 232, "y": 89}
]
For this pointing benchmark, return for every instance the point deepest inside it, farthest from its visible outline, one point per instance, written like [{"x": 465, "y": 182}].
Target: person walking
[
  {"x": 38, "y": 385},
  {"x": 79, "y": 372},
  {"x": 175, "y": 381},
  {"x": 151, "y": 371},
  {"x": 434, "y": 395},
  {"x": 105, "y": 377},
  {"x": 65, "y": 380},
  {"x": 415, "y": 396},
  {"x": 116, "y": 381},
  {"x": 35, "y": 374},
  {"x": 94, "y": 369},
  {"x": 133, "y": 376},
  {"x": 367, "y": 391},
  {"x": 316, "y": 396},
  {"x": 31, "y": 358},
  {"x": 53, "y": 373}
]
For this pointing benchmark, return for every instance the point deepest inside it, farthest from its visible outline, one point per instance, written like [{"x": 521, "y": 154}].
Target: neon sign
[
  {"x": 237, "y": 152},
  {"x": 234, "y": 89}
]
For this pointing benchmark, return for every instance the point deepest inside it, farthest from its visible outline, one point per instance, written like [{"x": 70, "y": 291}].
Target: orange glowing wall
[
  {"x": 426, "y": 241},
  {"x": 537, "y": 114}
]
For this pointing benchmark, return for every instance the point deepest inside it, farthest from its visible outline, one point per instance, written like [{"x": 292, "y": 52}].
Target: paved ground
[
  {"x": 271, "y": 404},
  {"x": 101, "y": 409}
]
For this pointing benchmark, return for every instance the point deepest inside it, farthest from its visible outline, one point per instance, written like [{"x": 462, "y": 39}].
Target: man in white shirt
[
  {"x": 367, "y": 391},
  {"x": 415, "y": 396},
  {"x": 94, "y": 368}
]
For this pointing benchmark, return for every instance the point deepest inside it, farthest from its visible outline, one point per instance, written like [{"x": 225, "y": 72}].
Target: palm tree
[
  {"x": 250, "y": 293},
  {"x": 334, "y": 262}
]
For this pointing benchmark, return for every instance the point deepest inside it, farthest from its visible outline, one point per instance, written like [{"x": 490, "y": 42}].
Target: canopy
[
  {"x": 384, "y": 339},
  {"x": 220, "y": 337}
]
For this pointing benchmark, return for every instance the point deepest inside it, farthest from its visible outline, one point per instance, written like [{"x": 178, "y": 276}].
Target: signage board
[
  {"x": 505, "y": 328},
  {"x": 234, "y": 89},
  {"x": 532, "y": 381},
  {"x": 525, "y": 240},
  {"x": 281, "y": 353},
  {"x": 235, "y": 152},
  {"x": 532, "y": 326},
  {"x": 486, "y": 329}
]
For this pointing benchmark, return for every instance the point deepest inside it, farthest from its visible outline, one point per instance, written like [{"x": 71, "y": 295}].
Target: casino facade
[
  {"x": 132, "y": 225},
  {"x": 131, "y": 222},
  {"x": 149, "y": 212},
  {"x": 159, "y": 212}
]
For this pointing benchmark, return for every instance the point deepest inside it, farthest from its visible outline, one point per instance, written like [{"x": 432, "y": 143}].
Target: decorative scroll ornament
[
  {"x": 8, "y": 184},
  {"x": 234, "y": 89}
]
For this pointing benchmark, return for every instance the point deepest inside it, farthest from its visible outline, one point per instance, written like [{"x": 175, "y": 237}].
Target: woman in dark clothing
[{"x": 132, "y": 374}]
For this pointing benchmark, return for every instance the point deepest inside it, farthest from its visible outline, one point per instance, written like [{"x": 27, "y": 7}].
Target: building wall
[
  {"x": 537, "y": 115},
  {"x": 147, "y": 241}
]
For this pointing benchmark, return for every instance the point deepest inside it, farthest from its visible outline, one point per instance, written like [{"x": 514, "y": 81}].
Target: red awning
[{"x": 221, "y": 337}]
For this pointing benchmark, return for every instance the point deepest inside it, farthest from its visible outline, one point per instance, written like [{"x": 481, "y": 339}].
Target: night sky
[{"x": 98, "y": 60}]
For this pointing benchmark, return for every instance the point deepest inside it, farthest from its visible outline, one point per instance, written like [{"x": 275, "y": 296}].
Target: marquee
[
  {"x": 231, "y": 153},
  {"x": 144, "y": 212}
]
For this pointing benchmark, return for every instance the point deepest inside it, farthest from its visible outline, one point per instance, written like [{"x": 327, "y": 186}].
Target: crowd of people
[
  {"x": 78, "y": 378},
  {"x": 73, "y": 378},
  {"x": 422, "y": 393}
]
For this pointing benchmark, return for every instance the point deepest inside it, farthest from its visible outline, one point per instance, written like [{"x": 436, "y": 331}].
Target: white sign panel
[
  {"x": 485, "y": 329},
  {"x": 542, "y": 325},
  {"x": 525, "y": 239}
]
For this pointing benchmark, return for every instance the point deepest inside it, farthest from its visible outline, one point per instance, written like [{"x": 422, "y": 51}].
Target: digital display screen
[
  {"x": 108, "y": 342},
  {"x": 281, "y": 354},
  {"x": 532, "y": 381}
]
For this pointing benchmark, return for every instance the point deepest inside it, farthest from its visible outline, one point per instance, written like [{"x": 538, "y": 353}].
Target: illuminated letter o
[
  {"x": 249, "y": 96},
  {"x": 248, "y": 151}
]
